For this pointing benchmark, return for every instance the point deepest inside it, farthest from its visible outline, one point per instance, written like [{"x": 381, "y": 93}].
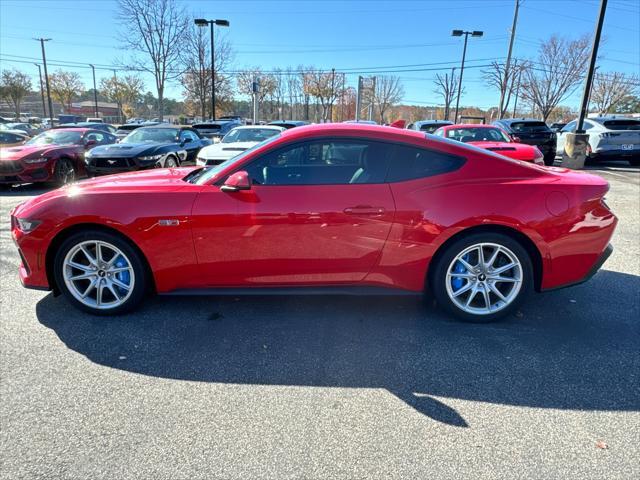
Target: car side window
[
  {"x": 96, "y": 137},
  {"x": 323, "y": 162},
  {"x": 409, "y": 163},
  {"x": 569, "y": 127},
  {"x": 587, "y": 125},
  {"x": 184, "y": 134}
]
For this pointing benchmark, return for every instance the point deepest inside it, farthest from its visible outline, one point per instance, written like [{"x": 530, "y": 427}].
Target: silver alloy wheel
[
  {"x": 66, "y": 172},
  {"x": 98, "y": 274},
  {"x": 171, "y": 163},
  {"x": 484, "y": 278}
]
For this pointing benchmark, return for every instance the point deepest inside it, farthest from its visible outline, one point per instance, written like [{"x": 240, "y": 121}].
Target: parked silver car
[
  {"x": 428, "y": 126},
  {"x": 610, "y": 137}
]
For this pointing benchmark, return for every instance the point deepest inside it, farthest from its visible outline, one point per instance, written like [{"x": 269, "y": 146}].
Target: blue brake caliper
[
  {"x": 456, "y": 282},
  {"x": 124, "y": 276}
]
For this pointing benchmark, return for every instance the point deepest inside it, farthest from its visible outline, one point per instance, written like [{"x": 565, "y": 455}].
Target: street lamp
[
  {"x": 459, "y": 33},
  {"x": 201, "y": 22}
]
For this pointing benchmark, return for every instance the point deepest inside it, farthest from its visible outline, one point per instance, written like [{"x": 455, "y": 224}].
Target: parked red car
[
  {"x": 53, "y": 156},
  {"x": 492, "y": 138},
  {"x": 333, "y": 208}
]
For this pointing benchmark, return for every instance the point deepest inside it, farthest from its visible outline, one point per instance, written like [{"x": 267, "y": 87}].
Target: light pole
[
  {"x": 44, "y": 108},
  {"x": 201, "y": 22},
  {"x": 46, "y": 77},
  {"x": 95, "y": 92},
  {"x": 459, "y": 33}
]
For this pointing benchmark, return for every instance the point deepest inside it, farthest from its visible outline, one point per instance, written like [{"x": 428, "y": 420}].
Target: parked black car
[
  {"x": 532, "y": 132},
  {"x": 557, "y": 126},
  {"x": 147, "y": 147},
  {"x": 215, "y": 130},
  {"x": 288, "y": 123}
]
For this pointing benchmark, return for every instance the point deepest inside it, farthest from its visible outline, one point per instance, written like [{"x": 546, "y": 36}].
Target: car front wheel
[
  {"x": 482, "y": 277},
  {"x": 100, "y": 273}
]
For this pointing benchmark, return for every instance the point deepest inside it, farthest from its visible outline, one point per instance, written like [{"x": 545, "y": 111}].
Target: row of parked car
[
  {"x": 66, "y": 152},
  {"x": 610, "y": 137}
]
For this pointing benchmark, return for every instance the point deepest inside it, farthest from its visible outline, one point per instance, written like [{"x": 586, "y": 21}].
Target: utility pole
[
  {"x": 507, "y": 66},
  {"x": 358, "y": 99},
  {"x": 333, "y": 81},
  {"x": 44, "y": 108},
  {"x": 95, "y": 91},
  {"x": 46, "y": 77},
  {"x": 592, "y": 64}
]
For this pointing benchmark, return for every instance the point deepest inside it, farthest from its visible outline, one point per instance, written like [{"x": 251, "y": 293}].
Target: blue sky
[{"x": 340, "y": 34}]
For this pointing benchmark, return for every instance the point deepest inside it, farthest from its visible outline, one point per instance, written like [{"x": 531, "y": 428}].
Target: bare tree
[
  {"x": 609, "y": 89},
  {"x": 196, "y": 80},
  {"x": 389, "y": 91},
  {"x": 294, "y": 91},
  {"x": 447, "y": 88},
  {"x": 65, "y": 86},
  {"x": 560, "y": 67},
  {"x": 246, "y": 78},
  {"x": 506, "y": 84},
  {"x": 14, "y": 86},
  {"x": 323, "y": 86},
  {"x": 157, "y": 29},
  {"x": 125, "y": 91}
]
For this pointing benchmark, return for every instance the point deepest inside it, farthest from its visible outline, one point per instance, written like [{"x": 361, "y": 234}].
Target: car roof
[
  {"x": 422, "y": 122},
  {"x": 78, "y": 129},
  {"x": 363, "y": 129},
  {"x": 261, "y": 127},
  {"x": 604, "y": 118},
  {"x": 468, "y": 125}
]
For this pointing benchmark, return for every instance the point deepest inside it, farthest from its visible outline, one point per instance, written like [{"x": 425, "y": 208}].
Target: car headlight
[
  {"x": 36, "y": 160},
  {"x": 150, "y": 158},
  {"x": 27, "y": 225}
]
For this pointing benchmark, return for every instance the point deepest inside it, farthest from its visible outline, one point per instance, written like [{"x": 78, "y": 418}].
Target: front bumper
[
  {"x": 104, "y": 166},
  {"x": 17, "y": 171}
]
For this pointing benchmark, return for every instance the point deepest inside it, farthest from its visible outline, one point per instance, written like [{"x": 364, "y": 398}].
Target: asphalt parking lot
[{"x": 308, "y": 387}]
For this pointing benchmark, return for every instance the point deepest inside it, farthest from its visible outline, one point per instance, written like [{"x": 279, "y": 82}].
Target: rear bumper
[
  {"x": 615, "y": 154},
  {"x": 592, "y": 271}
]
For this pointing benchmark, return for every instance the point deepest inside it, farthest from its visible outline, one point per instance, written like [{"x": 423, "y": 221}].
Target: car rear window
[
  {"x": 128, "y": 127},
  {"x": 207, "y": 126},
  {"x": 625, "y": 124},
  {"x": 529, "y": 127}
]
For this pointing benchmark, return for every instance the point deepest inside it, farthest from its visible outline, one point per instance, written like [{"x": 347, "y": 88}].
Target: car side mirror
[
  {"x": 236, "y": 182},
  {"x": 516, "y": 139},
  {"x": 90, "y": 143}
]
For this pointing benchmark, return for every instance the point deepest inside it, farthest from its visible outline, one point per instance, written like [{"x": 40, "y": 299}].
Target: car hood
[
  {"x": 225, "y": 150},
  {"x": 21, "y": 151},
  {"x": 117, "y": 150},
  {"x": 141, "y": 182}
]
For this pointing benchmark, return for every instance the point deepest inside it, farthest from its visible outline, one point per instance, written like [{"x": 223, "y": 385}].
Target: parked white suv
[
  {"x": 610, "y": 137},
  {"x": 235, "y": 142}
]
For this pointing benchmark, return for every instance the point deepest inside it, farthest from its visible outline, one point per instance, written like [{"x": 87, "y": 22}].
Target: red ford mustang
[
  {"x": 332, "y": 208},
  {"x": 492, "y": 138},
  {"x": 53, "y": 156}
]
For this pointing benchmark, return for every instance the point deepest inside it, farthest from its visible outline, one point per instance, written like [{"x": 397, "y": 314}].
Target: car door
[
  {"x": 191, "y": 143},
  {"x": 318, "y": 212}
]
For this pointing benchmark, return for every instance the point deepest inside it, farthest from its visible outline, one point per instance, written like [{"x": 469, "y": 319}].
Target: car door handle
[{"x": 364, "y": 210}]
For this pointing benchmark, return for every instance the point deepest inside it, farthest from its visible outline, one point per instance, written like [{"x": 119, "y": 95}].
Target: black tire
[
  {"x": 141, "y": 285},
  {"x": 438, "y": 275},
  {"x": 64, "y": 172},
  {"x": 171, "y": 162}
]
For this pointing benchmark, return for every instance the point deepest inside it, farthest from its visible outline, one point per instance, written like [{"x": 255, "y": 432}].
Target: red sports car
[
  {"x": 332, "y": 208},
  {"x": 53, "y": 156},
  {"x": 492, "y": 138}
]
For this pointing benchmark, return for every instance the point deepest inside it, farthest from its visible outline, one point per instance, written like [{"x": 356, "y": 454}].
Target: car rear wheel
[
  {"x": 64, "y": 172},
  {"x": 482, "y": 277},
  {"x": 100, "y": 273}
]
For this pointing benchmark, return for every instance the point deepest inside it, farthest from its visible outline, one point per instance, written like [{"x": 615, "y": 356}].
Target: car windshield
[
  {"x": 626, "y": 124},
  {"x": 249, "y": 135},
  {"x": 57, "y": 137},
  {"x": 529, "y": 127},
  {"x": 429, "y": 127},
  {"x": 203, "y": 176},
  {"x": 152, "y": 135},
  {"x": 477, "y": 135}
]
